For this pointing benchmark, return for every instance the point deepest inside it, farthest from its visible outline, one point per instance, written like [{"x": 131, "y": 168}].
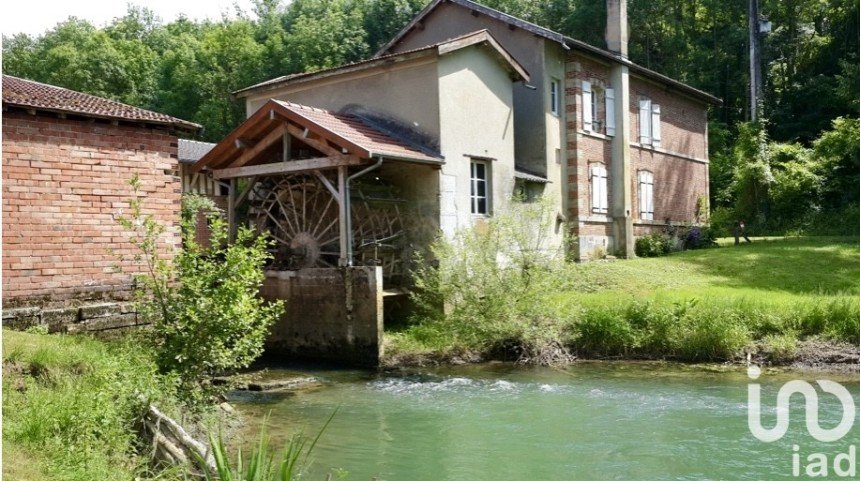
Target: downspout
[{"x": 348, "y": 203}]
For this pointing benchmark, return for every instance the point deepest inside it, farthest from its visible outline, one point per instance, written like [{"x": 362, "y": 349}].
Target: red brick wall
[
  {"x": 679, "y": 165},
  {"x": 64, "y": 181}
]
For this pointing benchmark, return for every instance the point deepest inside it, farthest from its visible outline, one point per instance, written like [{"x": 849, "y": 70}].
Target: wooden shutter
[
  {"x": 610, "y": 112},
  {"x": 587, "y": 114},
  {"x": 645, "y": 121},
  {"x": 646, "y": 195},
  {"x": 655, "y": 125},
  {"x": 599, "y": 190}
]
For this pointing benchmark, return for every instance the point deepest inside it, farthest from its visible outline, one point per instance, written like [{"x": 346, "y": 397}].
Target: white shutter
[
  {"x": 655, "y": 125},
  {"x": 646, "y": 195},
  {"x": 599, "y": 190},
  {"x": 645, "y": 121},
  {"x": 587, "y": 115},
  {"x": 610, "y": 112}
]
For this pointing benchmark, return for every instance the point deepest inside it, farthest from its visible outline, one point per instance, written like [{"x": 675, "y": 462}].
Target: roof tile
[{"x": 35, "y": 95}]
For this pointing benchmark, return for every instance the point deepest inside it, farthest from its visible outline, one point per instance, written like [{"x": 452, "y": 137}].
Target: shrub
[
  {"x": 604, "y": 332},
  {"x": 205, "y": 308},
  {"x": 652, "y": 245}
]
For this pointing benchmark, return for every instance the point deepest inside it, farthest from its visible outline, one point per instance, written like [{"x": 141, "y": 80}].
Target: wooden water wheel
[{"x": 301, "y": 214}]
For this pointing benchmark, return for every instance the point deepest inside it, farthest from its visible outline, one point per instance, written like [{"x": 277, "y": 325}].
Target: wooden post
[
  {"x": 232, "y": 227},
  {"x": 342, "y": 213}
]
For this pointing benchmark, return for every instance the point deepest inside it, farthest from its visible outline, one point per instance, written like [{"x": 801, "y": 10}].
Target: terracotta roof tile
[
  {"x": 354, "y": 130},
  {"x": 35, "y": 95}
]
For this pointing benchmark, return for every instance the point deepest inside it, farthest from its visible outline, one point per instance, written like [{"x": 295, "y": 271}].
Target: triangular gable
[{"x": 262, "y": 142}]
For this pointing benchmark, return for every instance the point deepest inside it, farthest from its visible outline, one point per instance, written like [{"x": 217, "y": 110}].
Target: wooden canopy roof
[{"x": 283, "y": 137}]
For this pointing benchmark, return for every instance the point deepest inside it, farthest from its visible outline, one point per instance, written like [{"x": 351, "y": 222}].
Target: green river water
[{"x": 601, "y": 421}]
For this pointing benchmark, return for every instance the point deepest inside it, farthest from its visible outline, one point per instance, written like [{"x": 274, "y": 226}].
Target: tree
[{"x": 204, "y": 306}]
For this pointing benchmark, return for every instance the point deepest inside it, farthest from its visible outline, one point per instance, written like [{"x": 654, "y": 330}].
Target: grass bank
[
  {"x": 701, "y": 305},
  {"x": 71, "y": 406}
]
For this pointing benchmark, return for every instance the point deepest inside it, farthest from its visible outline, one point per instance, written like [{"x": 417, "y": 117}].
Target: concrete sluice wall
[{"x": 332, "y": 314}]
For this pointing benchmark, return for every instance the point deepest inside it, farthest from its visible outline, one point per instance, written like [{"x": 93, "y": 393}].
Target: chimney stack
[{"x": 616, "y": 26}]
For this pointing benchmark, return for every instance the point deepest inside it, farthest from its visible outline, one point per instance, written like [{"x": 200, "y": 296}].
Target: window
[
  {"x": 609, "y": 100},
  {"x": 646, "y": 195},
  {"x": 649, "y": 122},
  {"x": 587, "y": 107},
  {"x": 480, "y": 187},
  {"x": 553, "y": 96},
  {"x": 599, "y": 190}
]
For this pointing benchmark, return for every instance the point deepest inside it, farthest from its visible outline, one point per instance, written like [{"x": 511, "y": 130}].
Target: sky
[{"x": 37, "y": 16}]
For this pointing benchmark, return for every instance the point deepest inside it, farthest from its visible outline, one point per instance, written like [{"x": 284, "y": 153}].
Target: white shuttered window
[
  {"x": 599, "y": 190},
  {"x": 646, "y": 195},
  {"x": 610, "y": 112},
  {"x": 587, "y": 100},
  {"x": 655, "y": 125},
  {"x": 645, "y": 121}
]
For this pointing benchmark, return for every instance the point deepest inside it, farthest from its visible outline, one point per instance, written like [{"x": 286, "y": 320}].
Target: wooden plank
[
  {"x": 259, "y": 147},
  {"x": 323, "y": 147},
  {"x": 292, "y": 166}
]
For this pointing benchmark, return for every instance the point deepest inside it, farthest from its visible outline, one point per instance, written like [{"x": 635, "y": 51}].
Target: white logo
[{"x": 782, "y": 409}]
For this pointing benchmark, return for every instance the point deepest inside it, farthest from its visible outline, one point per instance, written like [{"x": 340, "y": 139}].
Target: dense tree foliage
[{"x": 811, "y": 62}]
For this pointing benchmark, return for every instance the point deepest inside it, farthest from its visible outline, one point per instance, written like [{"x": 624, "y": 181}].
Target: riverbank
[
  {"x": 72, "y": 406},
  {"x": 781, "y": 302}
]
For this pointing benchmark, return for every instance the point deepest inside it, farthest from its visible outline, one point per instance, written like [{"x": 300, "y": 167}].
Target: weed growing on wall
[{"x": 204, "y": 305}]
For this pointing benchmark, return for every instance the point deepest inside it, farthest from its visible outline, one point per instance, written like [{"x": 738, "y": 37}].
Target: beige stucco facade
[{"x": 460, "y": 103}]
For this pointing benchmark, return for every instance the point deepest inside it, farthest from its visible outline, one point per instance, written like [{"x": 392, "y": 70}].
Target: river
[{"x": 591, "y": 421}]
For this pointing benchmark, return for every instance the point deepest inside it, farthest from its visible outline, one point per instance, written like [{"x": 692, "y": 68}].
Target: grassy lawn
[
  {"x": 701, "y": 305},
  {"x": 772, "y": 271}
]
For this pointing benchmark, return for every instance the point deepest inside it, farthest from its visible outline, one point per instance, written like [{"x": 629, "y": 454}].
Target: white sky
[{"x": 36, "y": 16}]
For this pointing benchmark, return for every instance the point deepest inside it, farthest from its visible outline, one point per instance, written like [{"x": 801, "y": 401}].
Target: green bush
[
  {"x": 205, "y": 309},
  {"x": 652, "y": 245}
]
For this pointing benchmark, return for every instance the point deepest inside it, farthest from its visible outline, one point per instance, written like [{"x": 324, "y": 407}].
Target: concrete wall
[
  {"x": 476, "y": 118},
  {"x": 332, "y": 314},
  {"x": 448, "y": 21},
  {"x": 64, "y": 182},
  {"x": 407, "y": 91},
  {"x": 91, "y": 318}
]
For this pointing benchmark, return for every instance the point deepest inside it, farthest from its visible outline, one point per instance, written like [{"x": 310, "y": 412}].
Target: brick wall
[
  {"x": 64, "y": 181},
  {"x": 679, "y": 165}
]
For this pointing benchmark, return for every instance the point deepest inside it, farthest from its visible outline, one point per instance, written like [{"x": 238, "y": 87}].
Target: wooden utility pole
[{"x": 755, "y": 60}]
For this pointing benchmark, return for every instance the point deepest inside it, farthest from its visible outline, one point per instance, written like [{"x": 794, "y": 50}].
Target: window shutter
[
  {"x": 645, "y": 121},
  {"x": 610, "y": 112},
  {"x": 599, "y": 190},
  {"x": 587, "y": 114},
  {"x": 646, "y": 195},
  {"x": 655, "y": 125}
]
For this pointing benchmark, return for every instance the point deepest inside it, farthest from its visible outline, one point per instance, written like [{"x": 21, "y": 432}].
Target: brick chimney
[{"x": 616, "y": 26}]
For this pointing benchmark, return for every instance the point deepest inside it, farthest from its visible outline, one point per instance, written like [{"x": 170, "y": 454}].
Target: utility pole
[{"x": 755, "y": 60}]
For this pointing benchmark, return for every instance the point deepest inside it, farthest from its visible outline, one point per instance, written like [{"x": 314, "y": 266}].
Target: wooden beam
[
  {"x": 324, "y": 148},
  {"x": 260, "y": 146},
  {"x": 232, "y": 225},
  {"x": 245, "y": 192},
  {"x": 290, "y": 167},
  {"x": 285, "y": 148},
  {"x": 341, "y": 217}
]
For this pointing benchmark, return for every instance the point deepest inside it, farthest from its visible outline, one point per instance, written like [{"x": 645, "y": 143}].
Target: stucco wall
[
  {"x": 448, "y": 21},
  {"x": 477, "y": 118},
  {"x": 407, "y": 91},
  {"x": 64, "y": 182}
]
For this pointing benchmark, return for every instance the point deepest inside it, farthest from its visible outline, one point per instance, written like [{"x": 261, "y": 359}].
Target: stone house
[{"x": 67, "y": 160}]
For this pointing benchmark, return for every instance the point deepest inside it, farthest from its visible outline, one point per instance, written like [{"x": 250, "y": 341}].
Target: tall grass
[
  {"x": 708, "y": 305},
  {"x": 70, "y": 405}
]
